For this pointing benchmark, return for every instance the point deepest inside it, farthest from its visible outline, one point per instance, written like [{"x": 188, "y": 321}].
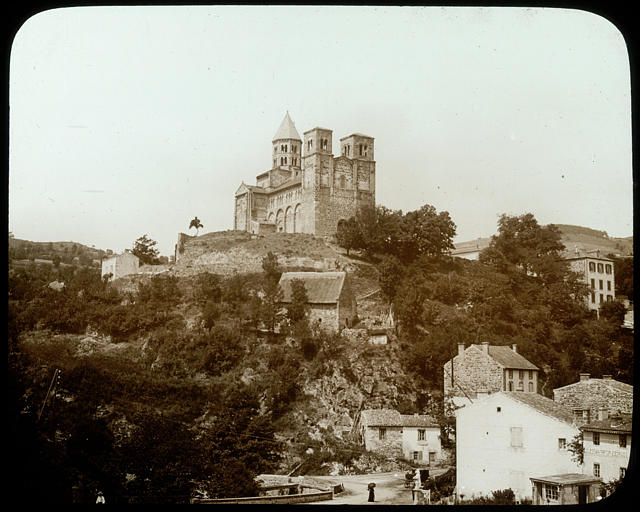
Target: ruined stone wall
[
  {"x": 594, "y": 394},
  {"x": 473, "y": 370}
]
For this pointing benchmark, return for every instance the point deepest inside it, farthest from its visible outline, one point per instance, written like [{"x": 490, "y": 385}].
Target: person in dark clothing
[{"x": 371, "y": 492}]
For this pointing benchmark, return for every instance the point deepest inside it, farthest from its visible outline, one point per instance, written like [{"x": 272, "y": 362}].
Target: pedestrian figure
[
  {"x": 371, "y": 492},
  {"x": 100, "y": 499}
]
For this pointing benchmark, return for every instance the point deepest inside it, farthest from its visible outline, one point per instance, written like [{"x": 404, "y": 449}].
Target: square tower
[{"x": 357, "y": 146}]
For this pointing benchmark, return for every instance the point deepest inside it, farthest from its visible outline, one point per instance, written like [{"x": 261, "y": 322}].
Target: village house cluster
[{"x": 511, "y": 436}]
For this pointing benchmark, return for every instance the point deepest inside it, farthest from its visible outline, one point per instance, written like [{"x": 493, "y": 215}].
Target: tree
[
  {"x": 425, "y": 232},
  {"x": 271, "y": 268},
  {"x": 144, "y": 249},
  {"x": 348, "y": 235},
  {"x": 522, "y": 245},
  {"x": 390, "y": 273},
  {"x": 195, "y": 223},
  {"x": 298, "y": 308}
]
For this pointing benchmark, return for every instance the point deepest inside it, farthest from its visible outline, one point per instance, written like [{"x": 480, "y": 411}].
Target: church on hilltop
[{"x": 307, "y": 189}]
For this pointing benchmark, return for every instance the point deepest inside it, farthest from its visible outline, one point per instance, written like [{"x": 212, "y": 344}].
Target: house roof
[
  {"x": 567, "y": 479},
  {"x": 287, "y": 130},
  {"x": 587, "y": 384},
  {"x": 418, "y": 420},
  {"x": 612, "y": 425},
  {"x": 542, "y": 404},
  {"x": 508, "y": 358},
  {"x": 321, "y": 287},
  {"x": 392, "y": 418}
]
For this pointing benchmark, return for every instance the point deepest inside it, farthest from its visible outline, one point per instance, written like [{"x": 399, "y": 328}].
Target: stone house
[
  {"x": 607, "y": 446},
  {"x": 310, "y": 192},
  {"x": 588, "y": 396},
  {"x": 505, "y": 438},
  {"x": 414, "y": 437},
  {"x": 330, "y": 297},
  {"x": 479, "y": 370},
  {"x": 120, "y": 265}
]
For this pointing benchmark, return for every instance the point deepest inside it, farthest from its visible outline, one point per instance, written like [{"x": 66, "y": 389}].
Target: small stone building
[
  {"x": 120, "y": 265},
  {"x": 588, "y": 396},
  {"x": 479, "y": 370},
  {"x": 414, "y": 437},
  {"x": 330, "y": 297}
]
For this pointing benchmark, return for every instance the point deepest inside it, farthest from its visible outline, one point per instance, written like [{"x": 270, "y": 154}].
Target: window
[
  {"x": 530, "y": 374},
  {"x": 622, "y": 440},
  {"x": 593, "y": 298},
  {"x": 382, "y": 433},
  {"x": 531, "y": 390},
  {"x": 608, "y": 268},
  {"x": 623, "y": 471},
  {"x": 294, "y": 148},
  {"x": 600, "y": 267},
  {"x": 600, "y": 283},
  {"x": 310, "y": 144},
  {"x": 562, "y": 443},
  {"x": 285, "y": 159},
  {"x": 520, "y": 374},
  {"x": 596, "y": 469},
  {"x": 511, "y": 374},
  {"x": 325, "y": 143},
  {"x": 551, "y": 492},
  {"x": 516, "y": 437},
  {"x": 360, "y": 145},
  {"x": 520, "y": 386},
  {"x": 601, "y": 298},
  {"x": 498, "y": 409},
  {"x": 417, "y": 455},
  {"x": 596, "y": 438},
  {"x": 593, "y": 284},
  {"x": 592, "y": 266},
  {"x": 510, "y": 385},
  {"x": 421, "y": 435},
  {"x": 609, "y": 285}
]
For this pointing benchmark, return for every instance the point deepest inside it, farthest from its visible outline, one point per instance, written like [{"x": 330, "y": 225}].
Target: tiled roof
[
  {"x": 542, "y": 404},
  {"x": 381, "y": 417},
  {"x": 614, "y": 424},
  {"x": 287, "y": 130},
  {"x": 321, "y": 287},
  {"x": 615, "y": 385},
  {"x": 418, "y": 420},
  {"x": 392, "y": 418},
  {"x": 508, "y": 358}
]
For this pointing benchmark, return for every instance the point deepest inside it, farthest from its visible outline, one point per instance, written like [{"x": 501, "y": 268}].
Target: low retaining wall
[{"x": 274, "y": 500}]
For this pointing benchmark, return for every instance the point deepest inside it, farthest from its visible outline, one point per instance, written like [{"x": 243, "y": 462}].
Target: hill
[
  {"x": 586, "y": 239},
  {"x": 66, "y": 251}
]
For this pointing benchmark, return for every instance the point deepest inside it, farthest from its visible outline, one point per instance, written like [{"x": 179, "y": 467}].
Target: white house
[
  {"x": 607, "y": 446},
  {"x": 505, "y": 438},
  {"x": 414, "y": 437},
  {"x": 120, "y": 265}
]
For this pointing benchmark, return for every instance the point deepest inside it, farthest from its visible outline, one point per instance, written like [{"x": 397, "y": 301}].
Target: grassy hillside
[{"x": 586, "y": 239}]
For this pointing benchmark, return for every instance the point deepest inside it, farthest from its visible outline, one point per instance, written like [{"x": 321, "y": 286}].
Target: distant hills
[
  {"x": 64, "y": 252},
  {"x": 574, "y": 238}
]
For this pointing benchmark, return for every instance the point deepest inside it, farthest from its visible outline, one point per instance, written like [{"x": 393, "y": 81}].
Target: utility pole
[{"x": 54, "y": 382}]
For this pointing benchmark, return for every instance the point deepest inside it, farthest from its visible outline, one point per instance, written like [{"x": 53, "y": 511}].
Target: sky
[{"x": 126, "y": 121}]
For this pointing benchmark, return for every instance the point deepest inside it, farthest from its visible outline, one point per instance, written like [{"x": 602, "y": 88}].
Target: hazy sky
[{"x": 127, "y": 121}]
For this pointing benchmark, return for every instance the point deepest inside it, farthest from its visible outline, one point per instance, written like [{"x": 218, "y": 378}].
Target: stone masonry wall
[
  {"x": 391, "y": 445},
  {"x": 473, "y": 370},
  {"x": 594, "y": 394}
]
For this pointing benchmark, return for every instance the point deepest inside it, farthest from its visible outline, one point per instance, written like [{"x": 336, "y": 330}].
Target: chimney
[
  {"x": 514, "y": 346},
  {"x": 460, "y": 348},
  {"x": 603, "y": 414},
  {"x": 606, "y": 377},
  {"x": 584, "y": 376},
  {"x": 485, "y": 347}
]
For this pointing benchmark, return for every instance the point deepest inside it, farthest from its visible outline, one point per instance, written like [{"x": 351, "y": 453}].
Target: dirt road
[{"x": 389, "y": 489}]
